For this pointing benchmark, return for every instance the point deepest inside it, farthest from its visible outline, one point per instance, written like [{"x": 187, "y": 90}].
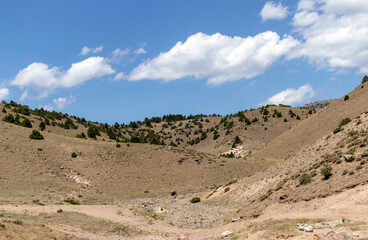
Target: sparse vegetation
[{"x": 74, "y": 155}]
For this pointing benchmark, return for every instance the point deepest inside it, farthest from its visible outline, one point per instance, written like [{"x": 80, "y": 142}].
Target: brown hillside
[
  {"x": 316, "y": 126},
  {"x": 300, "y": 177},
  {"x": 45, "y": 170}
]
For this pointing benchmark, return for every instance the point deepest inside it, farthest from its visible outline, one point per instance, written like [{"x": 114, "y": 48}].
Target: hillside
[
  {"x": 210, "y": 134},
  {"x": 316, "y": 126}
]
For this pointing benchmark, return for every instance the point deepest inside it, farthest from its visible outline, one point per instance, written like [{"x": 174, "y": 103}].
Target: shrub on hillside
[
  {"x": 172, "y": 144},
  {"x": 346, "y": 97},
  {"x": 93, "y": 131},
  {"x": 365, "y": 79},
  {"x": 236, "y": 141},
  {"x": 216, "y": 135},
  {"x": 195, "y": 200},
  {"x": 342, "y": 123},
  {"x": 26, "y": 123},
  {"x": 36, "y": 135},
  {"x": 72, "y": 201},
  {"x": 80, "y": 135},
  {"x": 326, "y": 172},
  {"x": 42, "y": 126},
  {"x": 305, "y": 179},
  {"x": 228, "y": 155}
]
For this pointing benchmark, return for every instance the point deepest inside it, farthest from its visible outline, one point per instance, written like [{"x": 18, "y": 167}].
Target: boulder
[
  {"x": 283, "y": 197},
  {"x": 226, "y": 234},
  {"x": 349, "y": 157}
]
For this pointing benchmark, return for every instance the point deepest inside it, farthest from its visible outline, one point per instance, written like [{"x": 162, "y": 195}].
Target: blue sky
[{"x": 121, "y": 61}]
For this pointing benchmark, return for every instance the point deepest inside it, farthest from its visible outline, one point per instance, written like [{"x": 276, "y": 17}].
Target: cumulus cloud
[
  {"x": 271, "y": 10},
  {"x": 217, "y": 57},
  {"x": 4, "y": 93},
  {"x": 291, "y": 96},
  {"x": 86, "y": 50},
  {"x": 41, "y": 77},
  {"x": 140, "y": 51},
  {"x": 60, "y": 103},
  {"x": 334, "y": 33}
]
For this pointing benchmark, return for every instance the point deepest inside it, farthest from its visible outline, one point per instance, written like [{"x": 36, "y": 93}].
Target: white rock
[
  {"x": 226, "y": 233},
  {"x": 308, "y": 229}
]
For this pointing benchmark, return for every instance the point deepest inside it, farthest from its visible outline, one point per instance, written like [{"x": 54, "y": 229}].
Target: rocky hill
[{"x": 322, "y": 123}]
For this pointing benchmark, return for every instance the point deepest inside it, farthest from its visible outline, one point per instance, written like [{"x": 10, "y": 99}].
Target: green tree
[
  {"x": 42, "y": 126},
  {"x": 26, "y": 123},
  {"x": 365, "y": 79},
  {"x": 36, "y": 135}
]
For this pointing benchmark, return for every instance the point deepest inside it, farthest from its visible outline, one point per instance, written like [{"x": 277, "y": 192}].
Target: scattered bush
[
  {"x": 216, "y": 135},
  {"x": 195, "y": 200},
  {"x": 172, "y": 144},
  {"x": 227, "y": 189},
  {"x": 42, "y": 126},
  {"x": 365, "y": 79},
  {"x": 81, "y": 135},
  {"x": 118, "y": 145},
  {"x": 26, "y": 123},
  {"x": 305, "y": 179},
  {"x": 72, "y": 201},
  {"x": 228, "y": 155},
  {"x": 74, "y": 155},
  {"x": 93, "y": 132},
  {"x": 346, "y": 97},
  {"x": 326, "y": 172},
  {"x": 36, "y": 135},
  {"x": 342, "y": 123},
  {"x": 236, "y": 141}
]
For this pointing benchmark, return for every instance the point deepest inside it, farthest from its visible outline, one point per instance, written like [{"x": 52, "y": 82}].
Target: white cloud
[
  {"x": 120, "y": 76},
  {"x": 4, "y": 93},
  {"x": 41, "y": 77},
  {"x": 217, "y": 57},
  {"x": 335, "y": 33},
  {"x": 24, "y": 95},
  {"x": 59, "y": 103},
  {"x": 291, "y": 96},
  {"x": 271, "y": 10},
  {"x": 86, "y": 50},
  {"x": 140, "y": 51},
  {"x": 119, "y": 52},
  {"x": 306, "y": 5}
]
